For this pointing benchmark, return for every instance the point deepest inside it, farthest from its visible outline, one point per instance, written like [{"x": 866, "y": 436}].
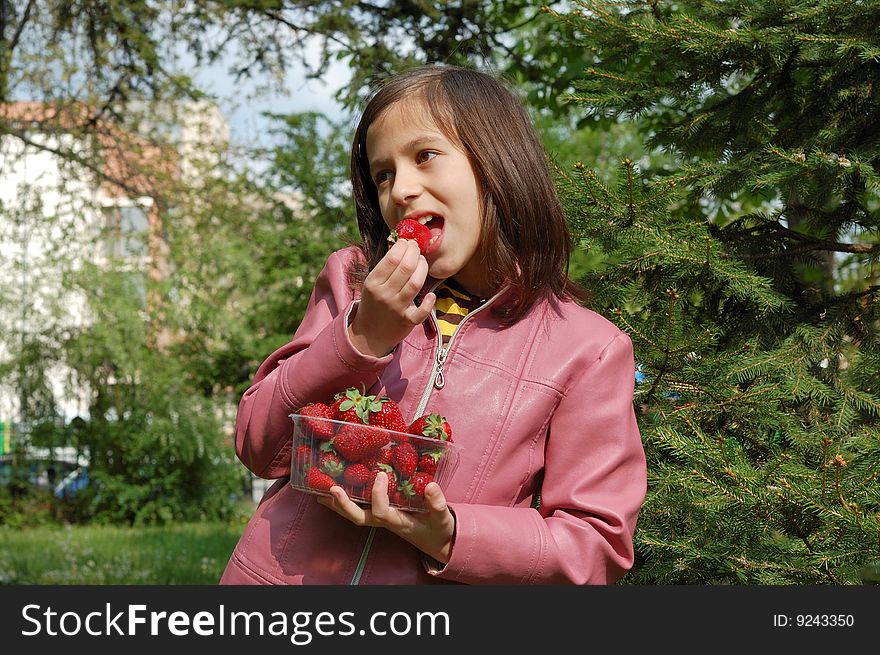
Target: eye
[
  {"x": 425, "y": 156},
  {"x": 381, "y": 177}
]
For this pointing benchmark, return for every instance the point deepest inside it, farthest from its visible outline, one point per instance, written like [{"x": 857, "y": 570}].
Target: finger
[
  {"x": 407, "y": 268},
  {"x": 380, "y": 501},
  {"x": 389, "y": 262},
  {"x": 418, "y": 314},
  {"x": 340, "y": 503},
  {"x": 435, "y": 500}
]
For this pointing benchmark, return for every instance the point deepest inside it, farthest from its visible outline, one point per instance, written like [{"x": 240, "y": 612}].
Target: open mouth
[{"x": 435, "y": 227}]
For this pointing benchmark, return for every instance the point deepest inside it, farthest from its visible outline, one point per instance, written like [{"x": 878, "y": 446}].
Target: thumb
[
  {"x": 423, "y": 311},
  {"x": 434, "y": 498}
]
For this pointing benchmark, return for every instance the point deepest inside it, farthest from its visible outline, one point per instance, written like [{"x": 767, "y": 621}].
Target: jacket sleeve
[
  {"x": 595, "y": 481},
  {"x": 316, "y": 364}
]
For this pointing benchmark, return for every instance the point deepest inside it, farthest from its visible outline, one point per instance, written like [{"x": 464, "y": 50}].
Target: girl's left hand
[{"x": 430, "y": 531}]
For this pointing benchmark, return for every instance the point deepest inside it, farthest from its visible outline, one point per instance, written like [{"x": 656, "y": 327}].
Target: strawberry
[
  {"x": 399, "y": 498},
  {"x": 318, "y": 480},
  {"x": 357, "y": 475},
  {"x": 409, "y": 228},
  {"x": 387, "y": 416},
  {"x": 382, "y": 457},
  {"x": 433, "y": 426},
  {"x": 302, "y": 457},
  {"x": 320, "y": 429},
  {"x": 392, "y": 481},
  {"x": 428, "y": 461},
  {"x": 404, "y": 459},
  {"x": 331, "y": 464},
  {"x": 352, "y": 406},
  {"x": 357, "y": 442},
  {"x": 415, "y": 486}
]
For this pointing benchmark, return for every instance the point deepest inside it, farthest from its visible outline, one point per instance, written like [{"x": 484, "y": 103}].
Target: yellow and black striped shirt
[{"x": 452, "y": 305}]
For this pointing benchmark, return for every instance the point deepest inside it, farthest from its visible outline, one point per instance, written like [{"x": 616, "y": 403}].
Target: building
[{"x": 77, "y": 189}]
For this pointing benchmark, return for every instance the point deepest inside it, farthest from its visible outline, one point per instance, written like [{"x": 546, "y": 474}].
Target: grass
[{"x": 194, "y": 553}]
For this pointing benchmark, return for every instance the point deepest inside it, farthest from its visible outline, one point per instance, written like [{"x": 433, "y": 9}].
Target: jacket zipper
[{"x": 436, "y": 381}]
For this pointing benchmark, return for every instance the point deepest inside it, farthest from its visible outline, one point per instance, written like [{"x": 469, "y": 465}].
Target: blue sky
[{"x": 242, "y": 105}]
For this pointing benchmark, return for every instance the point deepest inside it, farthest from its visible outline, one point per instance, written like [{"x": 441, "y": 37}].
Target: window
[{"x": 125, "y": 231}]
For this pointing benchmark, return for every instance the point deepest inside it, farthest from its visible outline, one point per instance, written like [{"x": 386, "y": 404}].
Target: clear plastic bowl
[{"x": 327, "y": 445}]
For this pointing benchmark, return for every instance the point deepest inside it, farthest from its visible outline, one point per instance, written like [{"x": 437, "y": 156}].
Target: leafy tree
[
  {"x": 376, "y": 38},
  {"x": 247, "y": 247},
  {"x": 92, "y": 85},
  {"x": 758, "y": 392},
  {"x": 87, "y": 65}
]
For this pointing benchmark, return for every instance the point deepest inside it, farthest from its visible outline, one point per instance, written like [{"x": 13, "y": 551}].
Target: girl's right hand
[{"x": 386, "y": 313}]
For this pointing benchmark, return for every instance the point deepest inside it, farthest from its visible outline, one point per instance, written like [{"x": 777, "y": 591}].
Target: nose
[{"x": 406, "y": 186}]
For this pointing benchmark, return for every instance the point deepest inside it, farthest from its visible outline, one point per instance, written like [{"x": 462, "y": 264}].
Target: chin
[{"x": 441, "y": 272}]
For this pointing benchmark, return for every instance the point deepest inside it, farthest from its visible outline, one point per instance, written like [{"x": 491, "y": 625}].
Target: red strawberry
[
  {"x": 357, "y": 475},
  {"x": 352, "y": 406},
  {"x": 382, "y": 457},
  {"x": 392, "y": 481},
  {"x": 399, "y": 498},
  {"x": 318, "y": 480},
  {"x": 404, "y": 459},
  {"x": 428, "y": 461},
  {"x": 388, "y": 415},
  {"x": 321, "y": 429},
  {"x": 302, "y": 457},
  {"x": 415, "y": 486},
  {"x": 357, "y": 442},
  {"x": 331, "y": 464},
  {"x": 433, "y": 426},
  {"x": 410, "y": 228}
]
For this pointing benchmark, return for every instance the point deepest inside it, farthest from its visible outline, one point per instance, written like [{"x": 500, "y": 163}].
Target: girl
[{"x": 484, "y": 328}]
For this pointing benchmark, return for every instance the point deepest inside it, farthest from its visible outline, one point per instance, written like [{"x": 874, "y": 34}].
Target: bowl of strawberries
[{"x": 349, "y": 439}]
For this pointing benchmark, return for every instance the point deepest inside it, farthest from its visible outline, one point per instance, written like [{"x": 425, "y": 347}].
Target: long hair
[{"x": 525, "y": 242}]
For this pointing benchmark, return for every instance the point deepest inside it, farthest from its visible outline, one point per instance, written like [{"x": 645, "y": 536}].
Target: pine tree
[{"x": 746, "y": 275}]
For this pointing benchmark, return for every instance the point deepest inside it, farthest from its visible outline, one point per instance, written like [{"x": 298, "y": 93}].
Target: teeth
[{"x": 424, "y": 220}]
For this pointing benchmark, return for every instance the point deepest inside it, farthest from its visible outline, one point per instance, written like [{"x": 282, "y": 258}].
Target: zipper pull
[{"x": 439, "y": 382}]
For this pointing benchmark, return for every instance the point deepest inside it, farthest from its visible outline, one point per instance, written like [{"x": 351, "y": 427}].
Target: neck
[{"x": 475, "y": 289}]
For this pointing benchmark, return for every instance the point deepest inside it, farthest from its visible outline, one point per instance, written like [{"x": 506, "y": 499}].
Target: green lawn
[{"x": 179, "y": 554}]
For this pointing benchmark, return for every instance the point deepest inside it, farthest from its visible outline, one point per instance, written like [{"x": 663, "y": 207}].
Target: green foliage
[
  {"x": 193, "y": 553},
  {"x": 373, "y": 39},
  {"x": 759, "y": 404},
  {"x": 155, "y": 444},
  {"x": 23, "y": 506}
]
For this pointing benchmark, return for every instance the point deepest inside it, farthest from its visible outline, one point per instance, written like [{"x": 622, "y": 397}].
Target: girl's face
[{"x": 419, "y": 173}]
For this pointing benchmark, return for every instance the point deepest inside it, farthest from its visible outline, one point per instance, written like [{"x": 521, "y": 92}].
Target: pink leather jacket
[{"x": 545, "y": 405}]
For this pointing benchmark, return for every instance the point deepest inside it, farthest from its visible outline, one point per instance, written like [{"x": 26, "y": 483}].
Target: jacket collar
[{"x": 503, "y": 295}]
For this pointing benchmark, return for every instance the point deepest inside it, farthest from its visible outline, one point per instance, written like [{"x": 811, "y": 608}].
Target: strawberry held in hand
[
  {"x": 353, "y": 406},
  {"x": 387, "y": 415},
  {"x": 358, "y": 442},
  {"x": 392, "y": 481},
  {"x": 410, "y": 228},
  {"x": 429, "y": 460},
  {"x": 302, "y": 457},
  {"x": 415, "y": 486},
  {"x": 357, "y": 475},
  {"x": 433, "y": 426},
  {"x": 318, "y": 480},
  {"x": 371, "y": 435},
  {"x": 404, "y": 459},
  {"x": 331, "y": 464},
  {"x": 321, "y": 429}
]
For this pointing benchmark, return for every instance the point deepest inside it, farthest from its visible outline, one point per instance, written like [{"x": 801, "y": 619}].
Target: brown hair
[{"x": 524, "y": 241}]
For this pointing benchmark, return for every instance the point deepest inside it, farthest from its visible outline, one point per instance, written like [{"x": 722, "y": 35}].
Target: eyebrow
[{"x": 412, "y": 144}]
